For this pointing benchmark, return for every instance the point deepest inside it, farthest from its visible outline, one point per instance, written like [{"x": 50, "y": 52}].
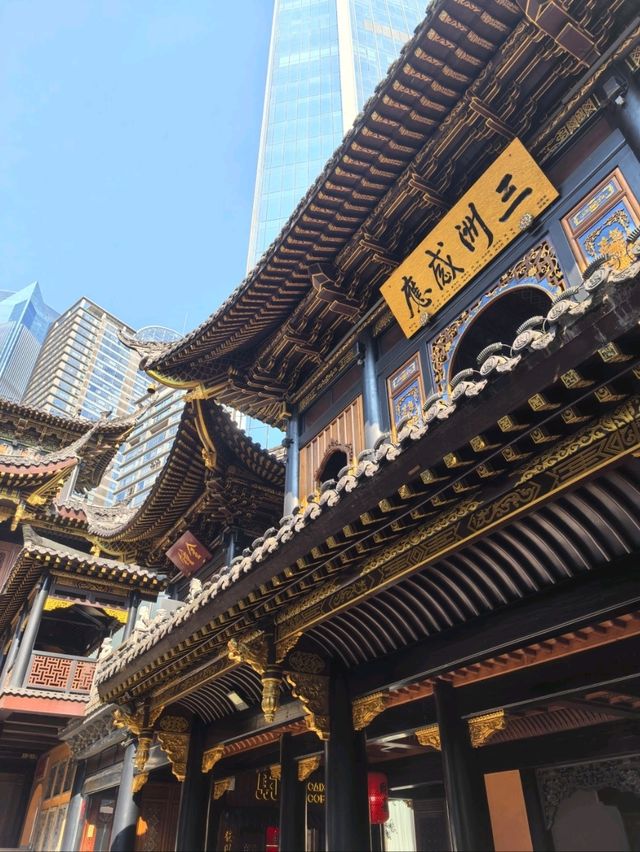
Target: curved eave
[{"x": 385, "y": 137}]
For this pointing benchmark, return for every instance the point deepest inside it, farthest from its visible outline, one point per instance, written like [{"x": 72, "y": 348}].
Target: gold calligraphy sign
[{"x": 499, "y": 206}]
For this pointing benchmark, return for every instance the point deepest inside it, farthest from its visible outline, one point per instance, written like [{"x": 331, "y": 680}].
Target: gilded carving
[
  {"x": 176, "y": 747},
  {"x": 139, "y": 781},
  {"x": 142, "y": 752},
  {"x": 221, "y": 787},
  {"x": 270, "y": 696},
  {"x": 482, "y": 728},
  {"x": 624, "y": 415},
  {"x": 303, "y": 661},
  {"x": 251, "y": 650},
  {"x": 307, "y": 766},
  {"x": 429, "y": 736},
  {"x": 210, "y": 757},
  {"x": 174, "y": 724},
  {"x": 275, "y": 771},
  {"x": 313, "y": 693},
  {"x": 283, "y": 646},
  {"x": 367, "y": 707}
]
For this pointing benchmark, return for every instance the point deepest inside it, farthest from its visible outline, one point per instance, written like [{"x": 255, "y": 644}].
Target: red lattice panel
[
  {"x": 49, "y": 672},
  {"x": 83, "y": 676}
]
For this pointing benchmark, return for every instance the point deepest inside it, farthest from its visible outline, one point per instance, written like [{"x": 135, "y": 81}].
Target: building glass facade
[
  {"x": 325, "y": 59},
  {"x": 83, "y": 369},
  {"x": 24, "y": 322}
]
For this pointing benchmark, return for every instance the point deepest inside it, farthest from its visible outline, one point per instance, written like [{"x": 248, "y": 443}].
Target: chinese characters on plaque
[
  {"x": 499, "y": 206},
  {"x": 187, "y": 554}
]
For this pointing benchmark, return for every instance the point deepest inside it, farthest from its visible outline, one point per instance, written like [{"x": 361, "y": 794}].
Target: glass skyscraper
[
  {"x": 24, "y": 322},
  {"x": 325, "y": 59}
]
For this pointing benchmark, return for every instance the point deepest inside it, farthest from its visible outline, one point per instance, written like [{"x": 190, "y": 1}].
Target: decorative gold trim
[
  {"x": 270, "y": 696},
  {"x": 174, "y": 724},
  {"x": 429, "y": 736},
  {"x": 171, "y": 383},
  {"x": 52, "y": 604},
  {"x": 367, "y": 707},
  {"x": 251, "y": 650},
  {"x": 209, "y": 451},
  {"x": 307, "y": 766},
  {"x": 482, "y": 728},
  {"x": 176, "y": 747},
  {"x": 313, "y": 693},
  {"x": 138, "y": 782},
  {"x": 142, "y": 752},
  {"x": 283, "y": 646},
  {"x": 221, "y": 787},
  {"x": 275, "y": 770},
  {"x": 211, "y": 756}
]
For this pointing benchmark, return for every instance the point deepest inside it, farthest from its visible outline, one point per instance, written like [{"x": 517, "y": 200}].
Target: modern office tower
[
  {"x": 325, "y": 59},
  {"x": 83, "y": 369},
  {"x": 24, "y": 321}
]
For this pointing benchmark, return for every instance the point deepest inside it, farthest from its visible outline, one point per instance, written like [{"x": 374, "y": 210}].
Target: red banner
[{"x": 187, "y": 554}]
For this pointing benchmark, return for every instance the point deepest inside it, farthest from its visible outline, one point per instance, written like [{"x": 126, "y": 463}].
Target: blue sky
[{"x": 129, "y": 135}]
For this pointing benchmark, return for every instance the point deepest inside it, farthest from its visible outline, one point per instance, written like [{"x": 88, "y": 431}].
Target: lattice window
[
  {"x": 49, "y": 672},
  {"x": 83, "y": 676}
]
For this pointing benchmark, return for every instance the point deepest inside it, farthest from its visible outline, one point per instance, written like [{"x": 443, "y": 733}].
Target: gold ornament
[
  {"x": 251, "y": 650},
  {"x": 482, "y": 728},
  {"x": 211, "y": 756},
  {"x": 270, "y": 697},
  {"x": 139, "y": 781},
  {"x": 275, "y": 770},
  {"x": 366, "y": 708},
  {"x": 313, "y": 693},
  {"x": 142, "y": 752},
  {"x": 308, "y": 766},
  {"x": 430, "y": 737},
  {"x": 221, "y": 787},
  {"x": 175, "y": 746}
]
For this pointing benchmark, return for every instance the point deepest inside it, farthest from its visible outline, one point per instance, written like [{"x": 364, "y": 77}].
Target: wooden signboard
[
  {"x": 188, "y": 554},
  {"x": 499, "y": 206}
]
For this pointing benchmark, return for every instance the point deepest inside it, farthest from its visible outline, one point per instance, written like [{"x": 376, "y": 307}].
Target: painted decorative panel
[
  {"x": 538, "y": 270},
  {"x": 344, "y": 433},
  {"x": 406, "y": 392},
  {"x": 599, "y": 224}
]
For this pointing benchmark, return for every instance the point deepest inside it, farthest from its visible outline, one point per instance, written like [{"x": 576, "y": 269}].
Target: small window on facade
[
  {"x": 332, "y": 464},
  {"x": 406, "y": 392},
  {"x": 600, "y": 223}
]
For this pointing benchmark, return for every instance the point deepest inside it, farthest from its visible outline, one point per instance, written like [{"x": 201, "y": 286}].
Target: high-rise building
[
  {"x": 325, "y": 59},
  {"x": 83, "y": 369},
  {"x": 141, "y": 458},
  {"x": 24, "y": 321}
]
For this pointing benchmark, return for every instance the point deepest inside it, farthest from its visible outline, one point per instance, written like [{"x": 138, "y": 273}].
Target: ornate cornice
[
  {"x": 366, "y": 708},
  {"x": 429, "y": 736},
  {"x": 307, "y": 766},
  {"x": 211, "y": 756},
  {"x": 482, "y": 728}
]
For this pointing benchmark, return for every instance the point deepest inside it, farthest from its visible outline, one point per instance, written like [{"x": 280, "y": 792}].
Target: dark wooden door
[
  {"x": 158, "y": 819},
  {"x": 11, "y": 811}
]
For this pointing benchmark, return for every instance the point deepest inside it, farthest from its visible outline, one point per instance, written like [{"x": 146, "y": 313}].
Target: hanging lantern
[
  {"x": 272, "y": 839},
  {"x": 378, "y": 798}
]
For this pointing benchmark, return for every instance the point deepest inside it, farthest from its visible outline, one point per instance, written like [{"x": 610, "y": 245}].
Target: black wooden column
[
  {"x": 71, "y": 835},
  {"x": 193, "y": 813},
  {"x": 468, "y": 810},
  {"x": 371, "y": 400},
  {"x": 23, "y": 658},
  {"x": 134, "y": 603},
  {"x": 347, "y": 795},
  {"x": 15, "y": 644},
  {"x": 292, "y": 443},
  {"x": 125, "y": 817},
  {"x": 291, "y": 799}
]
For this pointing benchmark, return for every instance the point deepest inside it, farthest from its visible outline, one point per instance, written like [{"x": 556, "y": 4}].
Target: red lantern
[
  {"x": 272, "y": 839},
  {"x": 378, "y": 798}
]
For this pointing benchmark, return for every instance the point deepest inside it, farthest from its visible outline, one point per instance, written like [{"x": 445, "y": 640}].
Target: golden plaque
[{"x": 500, "y": 205}]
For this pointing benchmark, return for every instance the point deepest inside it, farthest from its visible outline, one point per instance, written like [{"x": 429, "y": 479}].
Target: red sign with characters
[{"x": 187, "y": 554}]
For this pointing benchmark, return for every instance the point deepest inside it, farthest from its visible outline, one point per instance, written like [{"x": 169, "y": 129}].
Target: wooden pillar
[
  {"x": 125, "y": 817},
  {"x": 626, "y": 113},
  {"x": 467, "y": 807},
  {"x": 134, "y": 603},
  {"x": 370, "y": 397},
  {"x": 75, "y": 810},
  {"x": 347, "y": 795},
  {"x": 15, "y": 644},
  {"x": 292, "y": 474},
  {"x": 23, "y": 658},
  {"x": 292, "y": 801},
  {"x": 193, "y": 813}
]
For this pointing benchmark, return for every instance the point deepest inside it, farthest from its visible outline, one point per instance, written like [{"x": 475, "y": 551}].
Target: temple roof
[
  {"x": 468, "y": 81},
  {"x": 39, "y": 553},
  {"x": 509, "y": 436},
  {"x": 191, "y": 481},
  {"x": 51, "y": 445}
]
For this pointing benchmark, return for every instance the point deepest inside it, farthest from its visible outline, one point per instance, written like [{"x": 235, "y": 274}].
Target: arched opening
[
  {"x": 332, "y": 465},
  {"x": 497, "y": 323}
]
